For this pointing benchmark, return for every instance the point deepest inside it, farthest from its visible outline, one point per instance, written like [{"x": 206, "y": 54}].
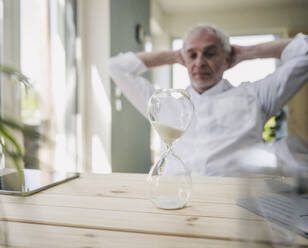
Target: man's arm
[
  {"x": 125, "y": 69},
  {"x": 272, "y": 49},
  {"x": 275, "y": 90},
  {"x": 153, "y": 59}
]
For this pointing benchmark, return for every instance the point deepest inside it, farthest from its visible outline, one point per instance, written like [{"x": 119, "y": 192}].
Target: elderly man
[{"x": 227, "y": 118}]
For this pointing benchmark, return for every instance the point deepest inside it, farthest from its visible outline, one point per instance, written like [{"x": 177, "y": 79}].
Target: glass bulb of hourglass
[{"x": 170, "y": 112}]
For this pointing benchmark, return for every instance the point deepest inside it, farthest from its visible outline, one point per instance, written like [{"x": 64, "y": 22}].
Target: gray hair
[{"x": 221, "y": 35}]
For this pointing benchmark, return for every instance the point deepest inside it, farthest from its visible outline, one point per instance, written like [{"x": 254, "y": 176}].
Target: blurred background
[{"x": 63, "y": 47}]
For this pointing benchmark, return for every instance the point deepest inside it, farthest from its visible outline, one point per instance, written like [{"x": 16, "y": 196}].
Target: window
[
  {"x": 180, "y": 78},
  {"x": 251, "y": 70},
  {"x": 46, "y": 54}
]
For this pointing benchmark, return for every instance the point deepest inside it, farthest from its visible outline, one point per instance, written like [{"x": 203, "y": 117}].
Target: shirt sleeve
[
  {"x": 275, "y": 90},
  {"x": 125, "y": 70}
]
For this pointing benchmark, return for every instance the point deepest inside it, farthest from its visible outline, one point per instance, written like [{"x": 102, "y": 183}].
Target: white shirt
[{"x": 227, "y": 118}]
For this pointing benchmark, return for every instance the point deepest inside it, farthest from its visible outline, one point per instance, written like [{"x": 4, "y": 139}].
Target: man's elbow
[{"x": 112, "y": 67}]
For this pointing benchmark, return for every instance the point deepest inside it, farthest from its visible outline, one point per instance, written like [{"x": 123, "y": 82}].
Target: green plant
[
  {"x": 15, "y": 74},
  {"x": 9, "y": 145},
  {"x": 273, "y": 126}
]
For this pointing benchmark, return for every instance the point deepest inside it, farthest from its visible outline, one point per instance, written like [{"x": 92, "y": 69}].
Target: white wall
[
  {"x": 160, "y": 41},
  {"x": 162, "y": 75},
  {"x": 130, "y": 145},
  {"x": 242, "y": 21},
  {"x": 94, "y": 92}
]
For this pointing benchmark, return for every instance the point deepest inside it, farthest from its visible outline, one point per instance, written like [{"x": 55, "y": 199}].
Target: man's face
[{"x": 205, "y": 59}]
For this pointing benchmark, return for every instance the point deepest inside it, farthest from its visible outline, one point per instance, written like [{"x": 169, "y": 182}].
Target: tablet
[{"x": 35, "y": 180}]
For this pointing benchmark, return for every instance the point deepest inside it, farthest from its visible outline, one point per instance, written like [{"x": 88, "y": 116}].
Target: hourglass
[{"x": 170, "y": 112}]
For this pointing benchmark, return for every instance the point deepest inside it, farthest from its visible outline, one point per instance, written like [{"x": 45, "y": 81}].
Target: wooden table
[{"x": 113, "y": 211}]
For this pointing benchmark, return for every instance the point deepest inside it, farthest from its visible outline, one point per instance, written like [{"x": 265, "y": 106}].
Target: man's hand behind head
[
  {"x": 179, "y": 56},
  {"x": 237, "y": 55}
]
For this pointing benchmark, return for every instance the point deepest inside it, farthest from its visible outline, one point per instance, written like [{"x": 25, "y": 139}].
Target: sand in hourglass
[
  {"x": 169, "y": 203},
  {"x": 167, "y": 133}
]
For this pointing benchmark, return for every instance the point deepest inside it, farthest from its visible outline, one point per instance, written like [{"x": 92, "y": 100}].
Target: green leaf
[
  {"x": 7, "y": 135},
  {"x": 14, "y": 73},
  {"x": 16, "y": 158},
  {"x": 26, "y": 131},
  {"x": 17, "y": 155}
]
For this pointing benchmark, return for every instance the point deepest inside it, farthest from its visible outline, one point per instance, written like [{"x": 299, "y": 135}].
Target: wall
[
  {"x": 160, "y": 41},
  {"x": 298, "y": 114},
  {"x": 130, "y": 149},
  {"x": 242, "y": 21},
  {"x": 94, "y": 92},
  {"x": 298, "y": 110}
]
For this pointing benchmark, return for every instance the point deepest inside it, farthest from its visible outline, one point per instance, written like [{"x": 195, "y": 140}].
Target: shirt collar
[{"x": 221, "y": 86}]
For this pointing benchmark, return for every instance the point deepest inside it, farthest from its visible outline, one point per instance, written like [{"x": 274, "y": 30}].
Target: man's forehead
[
  {"x": 202, "y": 40},
  {"x": 207, "y": 47}
]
